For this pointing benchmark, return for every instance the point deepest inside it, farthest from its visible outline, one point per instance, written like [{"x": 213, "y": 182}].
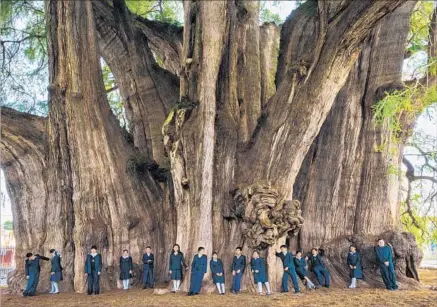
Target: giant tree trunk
[
  {"x": 235, "y": 140},
  {"x": 357, "y": 197}
]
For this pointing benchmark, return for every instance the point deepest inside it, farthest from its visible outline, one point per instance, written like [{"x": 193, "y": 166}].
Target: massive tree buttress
[{"x": 230, "y": 142}]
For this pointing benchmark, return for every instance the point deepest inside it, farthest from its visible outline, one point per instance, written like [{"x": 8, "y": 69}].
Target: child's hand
[
  {"x": 351, "y": 267},
  {"x": 27, "y": 277},
  {"x": 233, "y": 272},
  {"x": 256, "y": 271},
  {"x": 386, "y": 263},
  {"x": 238, "y": 271},
  {"x": 286, "y": 269},
  {"x": 98, "y": 273},
  {"x": 86, "y": 274},
  {"x": 130, "y": 272},
  {"x": 169, "y": 272},
  {"x": 52, "y": 273}
]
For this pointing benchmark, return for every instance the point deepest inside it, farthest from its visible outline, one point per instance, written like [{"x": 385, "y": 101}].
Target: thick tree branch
[
  {"x": 296, "y": 112},
  {"x": 148, "y": 91}
]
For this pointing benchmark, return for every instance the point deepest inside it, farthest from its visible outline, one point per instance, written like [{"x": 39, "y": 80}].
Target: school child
[
  {"x": 319, "y": 268},
  {"x": 354, "y": 263},
  {"x": 301, "y": 267},
  {"x": 93, "y": 269},
  {"x": 55, "y": 272},
  {"x": 384, "y": 258},
  {"x": 198, "y": 269},
  {"x": 218, "y": 274},
  {"x": 258, "y": 266},
  {"x": 238, "y": 267},
  {"x": 177, "y": 262},
  {"x": 148, "y": 265},
  {"x": 289, "y": 269},
  {"x": 32, "y": 269},
  {"x": 126, "y": 268}
]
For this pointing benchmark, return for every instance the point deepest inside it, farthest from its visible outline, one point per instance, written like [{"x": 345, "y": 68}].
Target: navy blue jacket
[
  {"x": 33, "y": 266},
  {"x": 199, "y": 264},
  {"x": 176, "y": 261},
  {"x": 300, "y": 265},
  {"x": 97, "y": 262},
  {"x": 148, "y": 261},
  {"x": 217, "y": 267},
  {"x": 239, "y": 263},
  {"x": 259, "y": 265},
  {"x": 316, "y": 261},
  {"x": 287, "y": 260},
  {"x": 355, "y": 260},
  {"x": 56, "y": 263},
  {"x": 383, "y": 254}
]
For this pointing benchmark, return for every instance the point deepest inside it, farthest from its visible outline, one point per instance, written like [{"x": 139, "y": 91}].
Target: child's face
[
  {"x": 352, "y": 249},
  {"x": 255, "y": 255},
  {"x": 283, "y": 250},
  {"x": 175, "y": 248},
  {"x": 32, "y": 257},
  {"x": 93, "y": 250},
  {"x": 125, "y": 253},
  {"x": 237, "y": 252},
  {"x": 299, "y": 254},
  {"x": 214, "y": 256},
  {"x": 381, "y": 243},
  {"x": 148, "y": 250},
  {"x": 314, "y": 252},
  {"x": 201, "y": 252}
]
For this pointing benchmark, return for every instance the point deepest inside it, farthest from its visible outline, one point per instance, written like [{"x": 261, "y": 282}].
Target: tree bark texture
[{"x": 228, "y": 141}]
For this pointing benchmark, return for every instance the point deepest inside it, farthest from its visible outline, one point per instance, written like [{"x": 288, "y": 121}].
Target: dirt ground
[{"x": 318, "y": 298}]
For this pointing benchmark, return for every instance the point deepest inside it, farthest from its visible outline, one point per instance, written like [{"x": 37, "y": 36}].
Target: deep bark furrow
[{"x": 358, "y": 195}]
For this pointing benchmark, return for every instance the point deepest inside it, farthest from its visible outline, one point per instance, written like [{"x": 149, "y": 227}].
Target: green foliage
[
  {"x": 401, "y": 106},
  {"x": 419, "y": 27},
  {"x": 8, "y": 225},
  {"x": 266, "y": 15},
  {"x": 424, "y": 228},
  {"x": 165, "y": 11},
  {"x": 24, "y": 48}
]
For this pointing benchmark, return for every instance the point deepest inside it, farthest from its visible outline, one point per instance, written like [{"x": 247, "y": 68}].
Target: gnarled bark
[
  {"x": 235, "y": 143},
  {"x": 357, "y": 197},
  {"x": 23, "y": 144},
  {"x": 113, "y": 201}
]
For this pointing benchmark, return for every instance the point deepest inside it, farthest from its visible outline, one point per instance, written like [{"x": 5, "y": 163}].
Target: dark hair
[
  {"x": 179, "y": 248},
  {"x": 321, "y": 252},
  {"x": 314, "y": 249},
  {"x": 298, "y": 251},
  {"x": 52, "y": 251},
  {"x": 380, "y": 239},
  {"x": 283, "y": 246},
  {"x": 354, "y": 246},
  {"x": 214, "y": 253},
  {"x": 94, "y": 247},
  {"x": 255, "y": 251},
  {"x": 201, "y": 248},
  {"x": 125, "y": 250},
  {"x": 148, "y": 247},
  {"x": 28, "y": 255},
  {"x": 239, "y": 248}
]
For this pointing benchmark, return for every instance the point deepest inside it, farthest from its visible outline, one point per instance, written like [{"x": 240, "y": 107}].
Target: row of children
[{"x": 294, "y": 266}]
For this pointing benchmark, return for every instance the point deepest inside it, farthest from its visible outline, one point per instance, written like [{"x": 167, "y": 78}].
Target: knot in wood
[{"x": 266, "y": 216}]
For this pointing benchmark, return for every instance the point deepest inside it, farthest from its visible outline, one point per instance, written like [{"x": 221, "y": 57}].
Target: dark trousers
[
  {"x": 291, "y": 272},
  {"x": 236, "y": 282},
  {"x": 322, "y": 273},
  {"x": 32, "y": 283},
  {"x": 93, "y": 283},
  {"x": 148, "y": 277},
  {"x": 388, "y": 276},
  {"x": 196, "y": 282}
]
